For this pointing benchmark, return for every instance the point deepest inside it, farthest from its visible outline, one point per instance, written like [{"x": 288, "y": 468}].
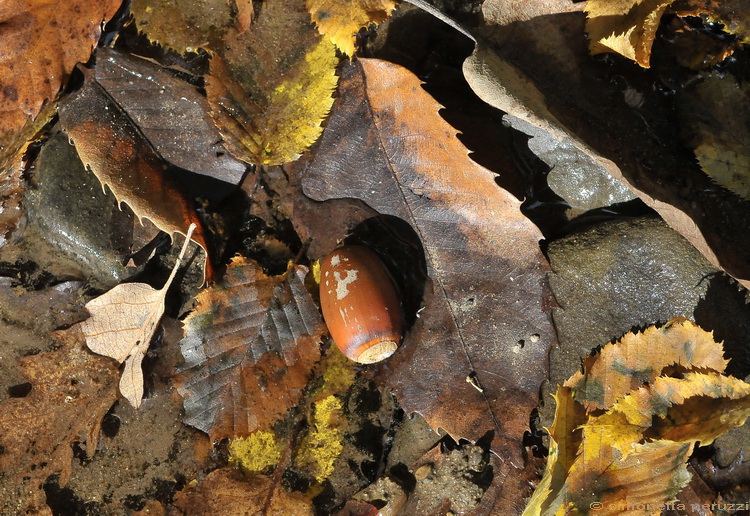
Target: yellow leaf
[
  {"x": 662, "y": 391},
  {"x": 639, "y": 358},
  {"x": 627, "y": 27},
  {"x": 269, "y": 96},
  {"x": 122, "y": 324},
  {"x": 341, "y": 20}
]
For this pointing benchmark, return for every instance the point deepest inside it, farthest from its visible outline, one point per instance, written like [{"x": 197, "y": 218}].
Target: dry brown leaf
[
  {"x": 478, "y": 353},
  {"x": 627, "y": 27},
  {"x": 663, "y": 391},
  {"x": 42, "y": 41},
  {"x": 341, "y": 20},
  {"x": 249, "y": 347},
  {"x": 71, "y": 390},
  {"x": 226, "y": 492},
  {"x": 113, "y": 147},
  {"x": 122, "y": 324}
]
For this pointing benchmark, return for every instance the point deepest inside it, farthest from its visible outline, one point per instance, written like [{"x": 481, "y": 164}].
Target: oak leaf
[
  {"x": 42, "y": 41},
  {"x": 627, "y": 27},
  {"x": 628, "y": 447},
  {"x": 122, "y": 324},
  {"x": 226, "y": 492},
  {"x": 114, "y": 149},
  {"x": 340, "y": 21},
  {"x": 478, "y": 353},
  {"x": 71, "y": 390},
  {"x": 269, "y": 92},
  {"x": 250, "y": 346}
]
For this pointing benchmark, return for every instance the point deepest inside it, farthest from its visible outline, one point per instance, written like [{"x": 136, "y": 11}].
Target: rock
[
  {"x": 625, "y": 275},
  {"x": 73, "y": 229}
]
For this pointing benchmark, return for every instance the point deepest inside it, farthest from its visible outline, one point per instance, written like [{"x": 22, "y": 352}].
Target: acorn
[{"x": 360, "y": 304}]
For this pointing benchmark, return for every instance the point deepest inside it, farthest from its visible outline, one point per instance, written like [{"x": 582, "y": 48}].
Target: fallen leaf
[
  {"x": 42, "y": 41},
  {"x": 270, "y": 93},
  {"x": 226, "y": 492},
  {"x": 112, "y": 146},
  {"x": 568, "y": 105},
  {"x": 639, "y": 359},
  {"x": 478, "y": 353},
  {"x": 714, "y": 116},
  {"x": 341, "y": 21},
  {"x": 627, "y": 27},
  {"x": 71, "y": 390},
  {"x": 184, "y": 25},
  {"x": 250, "y": 346},
  {"x": 171, "y": 113},
  {"x": 122, "y": 324},
  {"x": 628, "y": 449}
]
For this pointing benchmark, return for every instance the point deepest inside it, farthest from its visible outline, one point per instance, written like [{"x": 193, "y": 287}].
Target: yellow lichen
[
  {"x": 322, "y": 445},
  {"x": 255, "y": 453}
]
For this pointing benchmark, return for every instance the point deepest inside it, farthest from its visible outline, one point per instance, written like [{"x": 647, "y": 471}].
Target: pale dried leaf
[{"x": 122, "y": 324}]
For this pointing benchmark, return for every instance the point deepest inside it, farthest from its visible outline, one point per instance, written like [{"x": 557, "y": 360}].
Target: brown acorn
[{"x": 360, "y": 304}]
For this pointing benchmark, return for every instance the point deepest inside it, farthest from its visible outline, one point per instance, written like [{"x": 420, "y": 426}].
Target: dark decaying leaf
[
  {"x": 551, "y": 65},
  {"x": 478, "y": 353},
  {"x": 171, "y": 113},
  {"x": 71, "y": 390},
  {"x": 227, "y": 492},
  {"x": 111, "y": 145},
  {"x": 249, "y": 348}
]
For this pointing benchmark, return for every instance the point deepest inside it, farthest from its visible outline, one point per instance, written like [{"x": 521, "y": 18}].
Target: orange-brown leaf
[
  {"x": 627, "y": 27},
  {"x": 226, "y": 492},
  {"x": 249, "y": 348},
  {"x": 113, "y": 147},
  {"x": 479, "y": 348},
  {"x": 41, "y": 41}
]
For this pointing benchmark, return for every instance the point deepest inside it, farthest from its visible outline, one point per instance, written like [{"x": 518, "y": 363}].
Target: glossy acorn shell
[{"x": 360, "y": 304}]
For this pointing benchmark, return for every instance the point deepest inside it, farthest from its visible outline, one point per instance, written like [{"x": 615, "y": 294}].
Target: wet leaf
[
  {"x": 541, "y": 76},
  {"x": 629, "y": 447},
  {"x": 478, "y": 354},
  {"x": 184, "y": 25},
  {"x": 640, "y": 358},
  {"x": 226, "y": 492},
  {"x": 42, "y": 41},
  {"x": 715, "y": 116},
  {"x": 122, "y": 324},
  {"x": 627, "y": 27},
  {"x": 170, "y": 113},
  {"x": 270, "y": 93},
  {"x": 249, "y": 347},
  {"x": 340, "y": 21},
  {"x": 71, "y": 390},
  {"x": 112, "y": 146}
]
